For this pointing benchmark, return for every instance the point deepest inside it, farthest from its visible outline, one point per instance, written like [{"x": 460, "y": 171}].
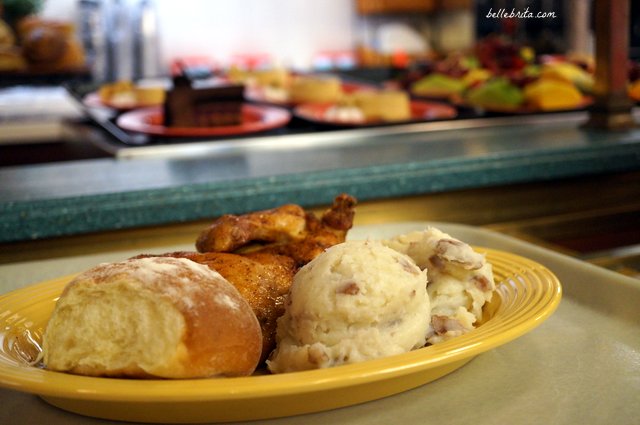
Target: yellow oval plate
[{"x": 527, "y": 294}]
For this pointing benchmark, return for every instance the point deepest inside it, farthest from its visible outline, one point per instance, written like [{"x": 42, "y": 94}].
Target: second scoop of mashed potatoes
[
  {"x": 359, "y": 300},
  {"x": 460, "y": 280}
]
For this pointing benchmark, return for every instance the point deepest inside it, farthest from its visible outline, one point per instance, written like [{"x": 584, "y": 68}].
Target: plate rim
[{"x": 272, "y": 117}]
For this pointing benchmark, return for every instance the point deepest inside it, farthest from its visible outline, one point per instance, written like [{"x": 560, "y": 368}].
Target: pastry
[
  {"x": 313, "y": 89},
  {"x": 191, "y": 105},
  {"x": 383, "y": 105},
  {"x": 125, "y": 94}
]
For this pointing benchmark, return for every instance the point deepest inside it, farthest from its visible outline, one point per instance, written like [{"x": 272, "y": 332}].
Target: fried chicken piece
[
  {"x": 263, "y": 279},
  {"x": 230, "y": 232},
  {"x": 286, "y": 230},
  {"x": 260, "y": 252}
]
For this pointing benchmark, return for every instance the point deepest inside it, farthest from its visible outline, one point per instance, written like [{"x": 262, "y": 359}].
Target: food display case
[{"x": 539, "y": 171}]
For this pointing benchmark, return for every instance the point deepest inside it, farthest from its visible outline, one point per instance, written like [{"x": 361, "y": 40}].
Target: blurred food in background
[
  {"x": 330, "y": 63},
  {"x": 30, "y": 44}
]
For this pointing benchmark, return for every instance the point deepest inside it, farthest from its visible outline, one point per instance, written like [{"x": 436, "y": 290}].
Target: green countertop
[{"x": 197, "y": 181}]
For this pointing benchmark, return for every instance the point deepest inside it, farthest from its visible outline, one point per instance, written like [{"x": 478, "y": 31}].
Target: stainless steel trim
[{"x": 324, "y": 138}]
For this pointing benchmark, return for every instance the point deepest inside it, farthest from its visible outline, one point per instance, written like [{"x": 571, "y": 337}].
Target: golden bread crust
[{"x": 219, "y": 335}]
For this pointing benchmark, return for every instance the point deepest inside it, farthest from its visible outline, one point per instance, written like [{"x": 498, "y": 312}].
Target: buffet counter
[{"x": 152, "y": 186}]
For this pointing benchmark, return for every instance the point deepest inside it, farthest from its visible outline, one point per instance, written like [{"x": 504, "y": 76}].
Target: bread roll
[
  {"x": 152, "y": 317},
  {"x": 44, "y": 44},
  {"x": 11, "y": 59}
]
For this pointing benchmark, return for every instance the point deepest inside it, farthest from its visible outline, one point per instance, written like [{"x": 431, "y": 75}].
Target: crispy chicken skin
[
  {"x": 230, "y": 232},
  {"x": 286, "y": 230},
  {"x": 263, "y": 279}
]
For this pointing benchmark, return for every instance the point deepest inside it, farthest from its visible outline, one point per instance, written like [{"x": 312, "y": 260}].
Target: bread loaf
[{"x": 152, "y": 318}]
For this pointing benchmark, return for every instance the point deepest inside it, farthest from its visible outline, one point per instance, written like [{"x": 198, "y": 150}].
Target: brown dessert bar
[{"x": 190, "y": 105}]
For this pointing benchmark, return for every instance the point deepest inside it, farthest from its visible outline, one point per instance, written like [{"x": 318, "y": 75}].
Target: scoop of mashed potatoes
[
  {"x": 358, "y": 300},
  {"x": 460, "y": 280}
]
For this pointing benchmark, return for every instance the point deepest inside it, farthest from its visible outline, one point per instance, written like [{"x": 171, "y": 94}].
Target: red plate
[
  {"x": 420, "y": 111},
  {"x": 257, "y": 93},
  {"x": 254, "y": 119}
]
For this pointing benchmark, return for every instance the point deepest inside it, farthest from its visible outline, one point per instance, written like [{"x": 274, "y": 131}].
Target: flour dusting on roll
[{"x": 154, "y": 317}]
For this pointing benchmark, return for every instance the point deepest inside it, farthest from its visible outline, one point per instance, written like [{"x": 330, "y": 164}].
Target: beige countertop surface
[{"x": 581, "y": 366}]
